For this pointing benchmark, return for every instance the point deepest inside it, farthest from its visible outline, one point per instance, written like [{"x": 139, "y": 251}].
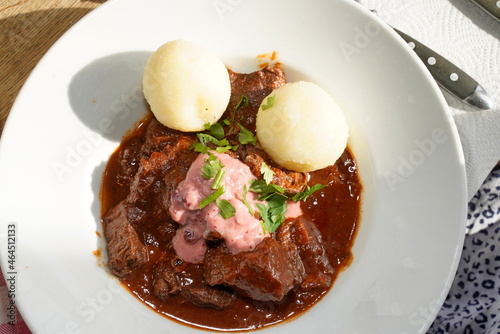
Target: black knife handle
[
  {"x": 490, "y": 6},
  {"x": 448, "y": 75}
]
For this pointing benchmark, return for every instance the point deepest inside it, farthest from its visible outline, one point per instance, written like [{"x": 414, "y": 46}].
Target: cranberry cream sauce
[{"x": 241, "y": 232}]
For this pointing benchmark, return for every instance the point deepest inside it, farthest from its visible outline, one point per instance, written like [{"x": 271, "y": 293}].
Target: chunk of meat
[
  {"x": 168, "y": 166},
  {"x": 303, "y": 237},
  {"x": 129, "y": 159},
  {"x": 255, "y": 86},
  {"x": 293, "y": 182},
  {"x": 157, "y": 137},
  {"x": 168, "y": 275},
  {"x": 125, "y": 250},
  {"x": 166, "y": 284},
  {"x": 173, "y": 276},
  {"x": 156, "y": 177},
  {"x": 267, "y": 273},
  {"x": 207, "y": 296}
]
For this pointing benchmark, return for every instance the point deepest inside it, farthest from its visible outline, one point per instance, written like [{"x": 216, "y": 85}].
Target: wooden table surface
[{"x": 28, "y": 28}]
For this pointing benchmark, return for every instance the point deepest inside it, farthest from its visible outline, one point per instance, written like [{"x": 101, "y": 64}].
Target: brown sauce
[{"x": 335, "y": 210}]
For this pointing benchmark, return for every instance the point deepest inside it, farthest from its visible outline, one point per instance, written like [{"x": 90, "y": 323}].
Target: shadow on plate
[
  {"x": 26, "y": 37},
  {"x": 106, "y": 95}
]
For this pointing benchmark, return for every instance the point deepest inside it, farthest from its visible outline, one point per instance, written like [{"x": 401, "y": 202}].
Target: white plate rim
[{"x": 9, "y": 130}]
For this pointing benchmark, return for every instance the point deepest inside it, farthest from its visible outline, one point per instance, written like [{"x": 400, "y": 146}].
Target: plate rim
[{"x": 7, "y": 130}]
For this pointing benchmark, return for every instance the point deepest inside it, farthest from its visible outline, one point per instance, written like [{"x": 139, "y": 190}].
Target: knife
[
  {"x": 491, "y": 7},
  {"x": 449, "y": 76}
]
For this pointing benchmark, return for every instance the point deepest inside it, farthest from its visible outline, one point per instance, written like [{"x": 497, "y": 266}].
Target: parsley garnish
[
  {"x": 269, "y": 103},
  {"x": 216, "y": 130},
  {"x": 212, "y": 167},
  {"x": 267, "y": 172},
  {"x": 264, "y": 189},
  {"x": 303, "y": 195},
  {"x": 224, "y": 149},
  {"x": 218, "y": 179},
  {"x": 243, "y": 103},
  {"x": 245, "y": 136},
  {"x": 273, "y": 214},
  {"x": 244, "y": 196},
  {"x": 226, "y": 209},
  {"x": 212, "y": 197},
  {"x": 204, "y": 139},
  {"x": 199, "y": 147}
]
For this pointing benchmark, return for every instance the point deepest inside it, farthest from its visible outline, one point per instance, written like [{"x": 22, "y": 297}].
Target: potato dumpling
[
  {"x": 301, "y": 127},
  {"x": 186, "y": 86}
]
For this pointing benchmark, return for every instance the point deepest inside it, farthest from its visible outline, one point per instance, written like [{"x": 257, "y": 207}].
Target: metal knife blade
[
  {"x": 491, "y": 7},
  {"x": 450, "y": 76}
]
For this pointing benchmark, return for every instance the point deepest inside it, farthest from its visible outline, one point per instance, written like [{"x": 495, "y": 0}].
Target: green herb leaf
[
  {"x": 212, "y": 197},
  {"x": 223, "y": 149},
  {"x": 269, "y": 103},
  {"x": 208, "y": 171},
  {"x": 243, "y": 103},
  {"x": 267, "y": 172},
  {"x": 212, "y": 157},
  {"x": 222, "y": 144},
  {"x": 245, "y": 136},
  {"x": 199, "y": 147},
  {"x": 272, "y": 214},
  {"x": 226, "y": 209},
  {"x": 277, "y": 210},
  {"x": 269, "y": 196},
  {"x": 218, "y": 179},
  {"x": 303, "y": 195},
  {"x": 212, "y": 167},
  {"x": 206, "y": 138},
  {"x": 215, "y": 136},
  {"x": 263, "y": 188},
  {"x": 266, "y": 223},
  {"x": 244, "y": 196},
  {"x": 217, "y": 131}
]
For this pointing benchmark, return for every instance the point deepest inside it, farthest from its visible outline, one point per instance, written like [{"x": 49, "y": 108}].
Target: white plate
[{"x": 86, "y": 92}]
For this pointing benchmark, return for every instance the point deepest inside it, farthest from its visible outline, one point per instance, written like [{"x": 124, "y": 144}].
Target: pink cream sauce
[{"x": 242, "y": 232}]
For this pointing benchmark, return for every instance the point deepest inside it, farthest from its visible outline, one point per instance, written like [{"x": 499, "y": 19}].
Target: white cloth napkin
[{"x": 460, "y": 31}]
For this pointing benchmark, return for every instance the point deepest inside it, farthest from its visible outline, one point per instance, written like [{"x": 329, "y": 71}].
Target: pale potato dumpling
[
  {"x": 186, "y": 86},
  {"x": 301, "y": 127}
]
